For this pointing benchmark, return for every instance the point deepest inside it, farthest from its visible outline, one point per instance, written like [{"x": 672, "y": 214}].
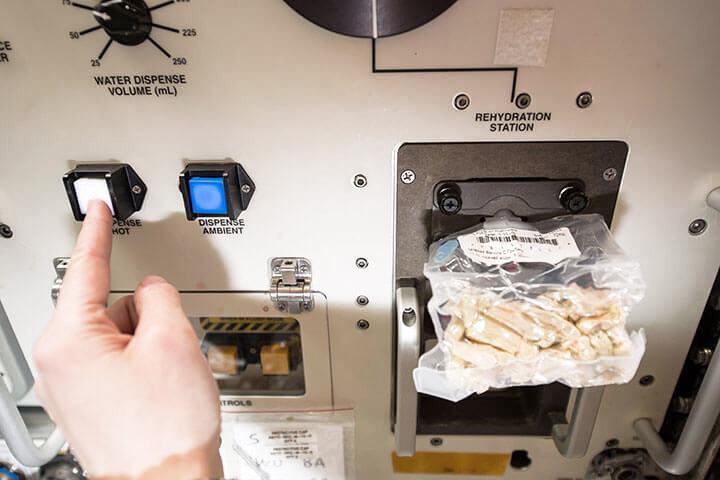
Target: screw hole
[
  {"x": 461, "y": 101},
  {"x": 697, "y": 226},
  {"x": 409, "y": 317},
  {"x": 647, "y": 380},
  {"x": 584, "y": 100},
  {"x": 5, "y": 231},
  {"x": 360, "y": 180},
  {"x": 523, "y": 101}
]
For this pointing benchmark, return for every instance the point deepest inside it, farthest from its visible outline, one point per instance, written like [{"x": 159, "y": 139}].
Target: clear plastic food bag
[{"x": 519, "y": 304}]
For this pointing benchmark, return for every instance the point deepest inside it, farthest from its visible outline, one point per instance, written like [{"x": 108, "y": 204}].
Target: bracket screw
[
  {"x": 363, "y": 324},
  {"x": 245, "y": 188},
  {"x": 136, "y": 189},
  {"x": 449, "y": 199},
  {"x": 362, "y": 300},
  {"x": 407, "y": 176},
  {"x": 450, "y": 206},
  {"x": 610, "y": 174}
]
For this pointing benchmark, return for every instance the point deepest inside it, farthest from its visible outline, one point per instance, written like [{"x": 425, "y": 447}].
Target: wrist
[{"x": 198, "y": 464}]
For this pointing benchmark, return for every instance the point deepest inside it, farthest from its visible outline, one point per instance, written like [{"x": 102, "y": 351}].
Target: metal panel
[{"x": 302, "y": 111}]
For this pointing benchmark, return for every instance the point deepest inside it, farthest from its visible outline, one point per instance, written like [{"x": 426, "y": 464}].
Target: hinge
[
  {"x": 60, "y": 264},
  {"x": 290, "y": 284}
]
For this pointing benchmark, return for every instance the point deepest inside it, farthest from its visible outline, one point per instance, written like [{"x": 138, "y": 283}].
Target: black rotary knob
[
  {"x": 449, "y": 200},
  {"x": 573, "y": 198},
  {"x": 126, "y": 21}
]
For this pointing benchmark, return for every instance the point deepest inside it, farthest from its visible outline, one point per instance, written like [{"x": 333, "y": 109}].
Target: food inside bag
[{"x": 518, "y": 304}]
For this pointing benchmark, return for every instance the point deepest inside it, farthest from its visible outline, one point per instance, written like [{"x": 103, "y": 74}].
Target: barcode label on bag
[{"x": 503, "y": 245}]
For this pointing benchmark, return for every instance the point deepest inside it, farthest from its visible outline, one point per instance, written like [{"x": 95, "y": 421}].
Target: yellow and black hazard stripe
[{"x": 249, "y": 325}]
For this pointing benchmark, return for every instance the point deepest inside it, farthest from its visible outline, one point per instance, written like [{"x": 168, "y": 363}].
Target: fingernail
[{"x": 152, "y": 280}]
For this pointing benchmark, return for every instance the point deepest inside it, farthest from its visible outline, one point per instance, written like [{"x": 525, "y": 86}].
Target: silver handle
[
  {"x": 694, "y": 436},
  {"x": 572, "y": 440},
  {"x": 12, "y": 358},
  {"x": 12, "y": 426},
  {"x": 408, "y": 349}
]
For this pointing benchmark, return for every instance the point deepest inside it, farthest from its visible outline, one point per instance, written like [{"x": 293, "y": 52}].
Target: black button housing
[
  {"x": 239, "y": 187},
  {"x": 127, "y": 190}
]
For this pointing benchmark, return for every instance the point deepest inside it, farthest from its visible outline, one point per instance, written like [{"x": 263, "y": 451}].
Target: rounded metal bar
[
  {"x": 572, "y": 439},
  {"x": 13, "y": 360},
  {"x": 408, "y": 323},
  {"x": 694, "y": 436},
  {"x": 18, "y": 439}
]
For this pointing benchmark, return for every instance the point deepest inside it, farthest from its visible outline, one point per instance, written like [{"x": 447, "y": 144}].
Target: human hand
[{"x": 127, "y": 385}]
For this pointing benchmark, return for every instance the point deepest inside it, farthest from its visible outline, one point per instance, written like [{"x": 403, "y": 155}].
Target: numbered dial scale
[{"x": 129, "y": 23}]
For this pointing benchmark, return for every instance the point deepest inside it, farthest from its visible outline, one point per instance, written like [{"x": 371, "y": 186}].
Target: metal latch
[
  {"x": 60, "y": 264},
  {"x": 290, "y": 284}
]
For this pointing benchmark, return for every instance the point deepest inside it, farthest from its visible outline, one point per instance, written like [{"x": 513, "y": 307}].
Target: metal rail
[
  {"x": 408, "y": 349},
  {"x": 12, "y": 426},
  {"x": 572, "y": 440}
]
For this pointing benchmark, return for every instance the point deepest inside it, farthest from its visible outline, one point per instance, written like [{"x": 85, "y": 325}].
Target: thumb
[{"x": 158, "y": 306}]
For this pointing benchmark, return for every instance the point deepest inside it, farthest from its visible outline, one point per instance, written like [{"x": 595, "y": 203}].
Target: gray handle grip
[
  {"x": 12, "y": 426},
  {"x": 18, "y": 439},
  {"x": 12, "y": 358},
  {"x": 694, "y": 436},
  {"x": 408, "y": 349},
  {"x": 572, "y": 440}
]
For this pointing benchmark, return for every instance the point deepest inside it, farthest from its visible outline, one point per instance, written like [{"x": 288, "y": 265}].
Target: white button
[{"x": 88, "y": 188}]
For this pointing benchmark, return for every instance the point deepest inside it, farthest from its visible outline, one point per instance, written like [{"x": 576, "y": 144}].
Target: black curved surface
[
  {"x": 348, "y": 17},
  {"x": 399, "y": 16},
  {"x": 355, "y": 17}
]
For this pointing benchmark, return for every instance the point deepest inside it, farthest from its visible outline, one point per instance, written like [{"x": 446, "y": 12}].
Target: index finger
[{"x": 87, "y": 280}]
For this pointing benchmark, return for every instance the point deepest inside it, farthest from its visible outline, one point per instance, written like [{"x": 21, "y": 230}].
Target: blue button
[
  {"x": 8, "y": 474},
  {"x": 207, "y": 195}
]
